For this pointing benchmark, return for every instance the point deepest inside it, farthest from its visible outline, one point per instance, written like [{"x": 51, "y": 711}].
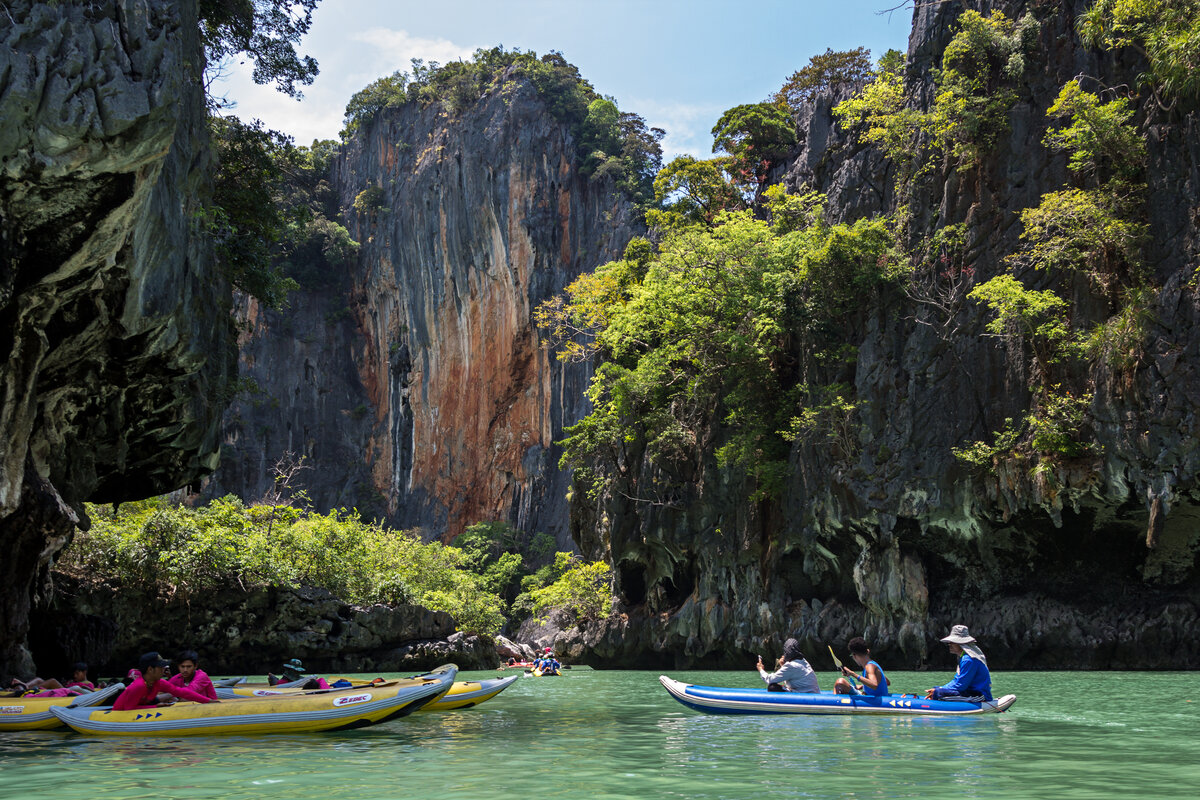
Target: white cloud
[
  {"x": 347, "y": 65},
  {"x": 688, "y": 125},
  {"x": 399, "y": 47}
]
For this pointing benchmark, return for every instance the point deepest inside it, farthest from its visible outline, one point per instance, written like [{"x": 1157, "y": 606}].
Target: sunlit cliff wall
[{"x": 418, "y": 389}]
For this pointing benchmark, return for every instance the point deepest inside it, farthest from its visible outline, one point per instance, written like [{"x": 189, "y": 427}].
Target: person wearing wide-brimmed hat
[
  {"x": 972, "y": 681},
  {"x": 792, "y": 672},
  {"x": 293, "y": 672}
]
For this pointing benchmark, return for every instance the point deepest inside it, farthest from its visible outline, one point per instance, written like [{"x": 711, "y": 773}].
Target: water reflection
[{"x": 597, "y": 735}]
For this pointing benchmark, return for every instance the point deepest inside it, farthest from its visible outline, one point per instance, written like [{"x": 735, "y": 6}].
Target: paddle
[{"x": 838, "y": 663}]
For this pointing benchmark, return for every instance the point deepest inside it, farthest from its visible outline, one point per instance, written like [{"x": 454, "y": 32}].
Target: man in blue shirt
[{"x": 972, "y": 681}]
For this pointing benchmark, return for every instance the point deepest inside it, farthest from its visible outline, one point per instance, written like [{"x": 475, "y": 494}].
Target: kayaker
[
  {"x": 875, "y": 683},
  {"x": 792, "y": 672},
  {"x": 973, "y": 681},
  {"x": 190, "y": 675},
  {"x": 79, "y": 677},
  {"x": 149, "y": 689},
  {"x": 52, "y": 687}
]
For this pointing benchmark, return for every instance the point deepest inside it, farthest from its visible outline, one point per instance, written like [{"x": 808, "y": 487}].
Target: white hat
[{"x": 959, "y": 635}]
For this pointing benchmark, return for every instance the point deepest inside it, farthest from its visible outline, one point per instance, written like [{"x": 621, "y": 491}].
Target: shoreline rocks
[{"x": 251, "y": 631}]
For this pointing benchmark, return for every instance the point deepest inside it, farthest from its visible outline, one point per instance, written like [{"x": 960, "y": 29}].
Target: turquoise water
[{"x": 597, "y": 735}]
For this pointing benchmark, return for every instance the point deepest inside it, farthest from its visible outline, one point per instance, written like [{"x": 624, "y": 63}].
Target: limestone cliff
[
  {"x": 116, "y": 347},
  {"x": 1093, "y": 564},
  {"x": 417, "y": 389}
]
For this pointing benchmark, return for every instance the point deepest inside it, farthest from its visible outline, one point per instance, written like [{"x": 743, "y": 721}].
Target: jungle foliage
[
  {"x": 719, "y": 336},
  {"x": 273, "y": 212},
  {"x": 154, "y": 544},
  {"x": 1165, "y": 32},
  {"x": 176, "y": 548},
  {"x": 975, "y": 91}
]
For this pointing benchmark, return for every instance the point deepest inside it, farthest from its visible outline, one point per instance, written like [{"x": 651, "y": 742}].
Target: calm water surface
[{"x": 597, "y": 735}]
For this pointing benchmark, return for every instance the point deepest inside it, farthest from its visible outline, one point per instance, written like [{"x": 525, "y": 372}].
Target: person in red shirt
[
  {"x": 190, "y": 675},
  {"x": 148, "y": 689}
]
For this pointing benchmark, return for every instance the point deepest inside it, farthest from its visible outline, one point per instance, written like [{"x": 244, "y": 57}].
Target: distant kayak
[
  {"x": 33, "y": 713},
  {"x": 540, "y": 673},
  {"x": 338, "y": 709},
  {"x": 719, "y": 700}
]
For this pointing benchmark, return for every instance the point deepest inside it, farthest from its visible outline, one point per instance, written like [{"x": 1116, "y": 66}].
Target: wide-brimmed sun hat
[
  {"x": 962, "y": 637},
  {"x": 959, "y": 635}
]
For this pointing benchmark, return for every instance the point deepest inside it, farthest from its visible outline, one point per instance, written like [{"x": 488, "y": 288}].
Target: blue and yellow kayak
[
  {"x": 34, "y": 714},
  {"x": 306, "y": 712},
  {"x": 720, "y": 700}
]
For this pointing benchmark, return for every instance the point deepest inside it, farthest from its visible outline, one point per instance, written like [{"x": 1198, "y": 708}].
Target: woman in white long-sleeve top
[{"x": 792, "y": 671}]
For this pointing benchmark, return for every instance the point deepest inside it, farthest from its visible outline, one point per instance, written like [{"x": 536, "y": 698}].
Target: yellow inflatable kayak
[
  {"x": 336, "y": 709},
  {"x": 33, "y": 713},
  {"x": 463, "y": 694}
]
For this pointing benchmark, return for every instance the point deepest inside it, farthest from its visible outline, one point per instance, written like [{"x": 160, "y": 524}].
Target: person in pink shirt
[
  {"x": 190, "y": 675},
  {"x": 150, "y": 689},
  {"x": 50, "y": 687},
  {"x": 79, "y": 678}
]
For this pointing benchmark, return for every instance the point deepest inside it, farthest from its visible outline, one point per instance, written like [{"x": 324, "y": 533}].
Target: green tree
[
  {"x": 692, "y": 190},
  {"x": 584, "y": 590},
  {"x": 1165, "y": 32},
  {"x": 755, "y": 136},
  {"x": 882, "y": 111},
  {"x": 697, "y": 341},
  {"x": 975, "y": 84},
  {"x": 825, "y": 74},
  {"x": 244, "y": 217},
  {"x": 265, "y": 30}
]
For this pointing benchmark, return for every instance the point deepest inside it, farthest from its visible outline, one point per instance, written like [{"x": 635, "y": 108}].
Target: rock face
[
  {"x": 237, "y": 631},
  {"x": 116, "y": 347},
  {"x": 420, "y": 391},
  {"x": 902, "y": 541}
]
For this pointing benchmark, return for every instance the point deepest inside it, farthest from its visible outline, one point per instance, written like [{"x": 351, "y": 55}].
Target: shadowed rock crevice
[{"x": 117, "y": 343}]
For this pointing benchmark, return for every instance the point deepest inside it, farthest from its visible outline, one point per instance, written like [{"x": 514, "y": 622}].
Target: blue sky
[{"x": 678, "y": 64}]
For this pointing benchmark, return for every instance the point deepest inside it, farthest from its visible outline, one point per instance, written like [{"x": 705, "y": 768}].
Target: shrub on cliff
[
  {"x": 719, "y": 339},
  {"x": 825, "y": 74},
  {"x": 582, "y": 589},
  {"x": 180, "y": 549}
]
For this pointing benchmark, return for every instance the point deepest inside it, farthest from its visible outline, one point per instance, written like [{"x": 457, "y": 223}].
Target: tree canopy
[{"x": 267, "y": 31}]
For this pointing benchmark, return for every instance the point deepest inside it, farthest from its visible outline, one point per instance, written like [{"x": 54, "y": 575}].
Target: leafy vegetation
[
  {"x": 154, "y": 544},
  {"x": 1097, "y": 231},
  {"x": 245, "y": 217},
  {"x": 755, "y": 136},
  {"x": 265, "y": 30},
  {"x": 825, "y": 74},
  {"x": 273, "y": 212},
  {"x": 1165, "y": 32},
  {"x": 610, "y": 144},
  {"x": 980, "y": 66},
  {"x": 582, "y": 589},
  {"x": 974, "y": 94},
  {"x": 698, "y": 341}
]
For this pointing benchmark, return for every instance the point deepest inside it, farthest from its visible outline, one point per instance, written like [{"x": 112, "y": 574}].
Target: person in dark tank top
[{"x": 874, "y": 682}]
